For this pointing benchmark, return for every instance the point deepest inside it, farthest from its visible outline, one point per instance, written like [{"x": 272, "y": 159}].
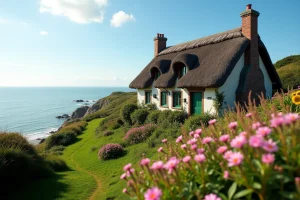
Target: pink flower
[
  {"x": 238, "y": 142},
  {"x": 179, "y": 139},
  {"x": 263, "y": 131},
  {"x": 277, "y": 121},
  {"x": 183, "y": 146},
  {"x": 123, "y": 176},
  {"x": 196, "y": 135},
  {"x": 200, "y": 151},
  {"x": 171, "y": 164},
  {"x": 211, "y": 197},
  {"x": 211, "y": 122},
  {"x": 160, "y": 149},
  {"x": 145, "y": 161},
  {"x": 226, "y": 174},
  {"x": 207, "y": 140},
  {"x": 157, "y": 165},
  {"x": 227, "y": 155},
  {"x": 224, "y": 138},
  {"x": 232, "y": 125},
  {"x": 255, "y": 141},
  {"x": 256, "y": 125},
  {"x": 235, "y": 159},
  {"x": 192, "y": 141},
  {"x": 191, "y": 133},
  {"x": 194, "y": 147},
  {"x": 244, "y": 133},
  {"x": 127, "y": 167},
  {"x": 198, "y": 131},
  {"x": 129, "y": 172},
  {"x": 248, "y": 115},
  {"x": 124, "y": 190},
  {"x": 291, "y": 118},
  {"x": 269, "y": 146},
  {"x": 186, "y": 159},
  {"x": 153, "y": 194},
  {"x": 164, "y": 140},
  {"x": 199, "y": 158},
  {"x": 222, "y": 149},
  {"x": 268, "y": 158}
]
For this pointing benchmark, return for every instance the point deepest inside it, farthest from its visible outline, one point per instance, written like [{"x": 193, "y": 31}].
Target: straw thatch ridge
[{"x": 210, "y": 61}]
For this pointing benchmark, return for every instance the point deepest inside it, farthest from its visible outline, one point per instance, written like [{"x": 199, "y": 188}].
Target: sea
[{"x": 32, "y": 111}]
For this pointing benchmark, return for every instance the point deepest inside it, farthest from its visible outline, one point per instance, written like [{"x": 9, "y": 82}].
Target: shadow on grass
[{"x": 46, "y": 189}]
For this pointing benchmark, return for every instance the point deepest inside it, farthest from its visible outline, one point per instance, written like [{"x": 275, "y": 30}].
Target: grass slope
[{"x": 88, "y": 177}]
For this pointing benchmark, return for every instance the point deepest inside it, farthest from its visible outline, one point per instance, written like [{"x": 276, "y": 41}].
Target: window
[
  {"x": 182, "y": 71},
  {"x": 163, "y": 99},
  {"x": 156, "y": 75},
  {"x": 147, "y": 97},
  {"x": 177, "y": 99}
]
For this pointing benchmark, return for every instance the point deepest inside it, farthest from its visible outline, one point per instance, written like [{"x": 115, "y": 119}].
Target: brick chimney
[
  {"x": 160, "y": 43},
  {"x": 251, "y": 79}
]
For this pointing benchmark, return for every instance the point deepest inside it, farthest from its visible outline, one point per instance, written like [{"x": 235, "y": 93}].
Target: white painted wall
[
  {"x": 209, "y": 95},
  {"x": 231, "y": 84},
  {"x": 267, "y": 79}
]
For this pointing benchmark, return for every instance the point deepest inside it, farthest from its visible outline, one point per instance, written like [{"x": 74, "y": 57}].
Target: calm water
[{"x": 32, "y": 110}]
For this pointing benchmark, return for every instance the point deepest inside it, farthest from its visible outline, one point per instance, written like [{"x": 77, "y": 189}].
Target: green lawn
[{"x": 88, "y": 177}]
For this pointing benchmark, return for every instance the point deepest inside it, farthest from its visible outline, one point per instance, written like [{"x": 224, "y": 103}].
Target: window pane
[
  {"x": 176, "y": 99},
  {"x": 148, "y": 96},
  {"x": 163, "y": 99}
]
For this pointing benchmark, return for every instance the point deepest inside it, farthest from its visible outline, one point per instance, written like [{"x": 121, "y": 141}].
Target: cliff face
[
  {"x": 79, "y": 112},
  {"x": 101, "y": 103}
]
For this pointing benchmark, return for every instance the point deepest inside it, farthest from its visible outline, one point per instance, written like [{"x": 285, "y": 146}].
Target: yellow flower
[{"x": 296, "y": 99}]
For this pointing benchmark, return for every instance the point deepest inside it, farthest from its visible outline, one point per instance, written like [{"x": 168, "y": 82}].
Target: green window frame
[
  {"x": 147, "y": 97},
  {"x": 163, "y": 99},
  {"x": 156, "y": 75},
  {"x": 182, "y": 71},
  {"x": 177, "y": 99}
]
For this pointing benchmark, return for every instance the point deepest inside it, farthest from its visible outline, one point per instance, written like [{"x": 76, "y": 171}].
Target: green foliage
[
  {"x": 76, "y": 127},
  {"x": 196, "y": 121},
  {"x": 153, "y": 117},
  {"x": 289, "y": 75},
  {"x": 126, "y": 112},
  {"x": 139, "y": 116},
  {"x": 287, "y": 60},
  {"x": 108, "y": 133},
  {"x": 60, "y": 138},
  {"x": 55, "y": 162},
  {"x": 56, "y": 150},
  {"x": 218, "y": 101},
  {"x": 111, "y": 151},
  {"x": 165, "y": 115},
  {"x": 139, "y": 134},
  {"x": 149, "y": 106}
]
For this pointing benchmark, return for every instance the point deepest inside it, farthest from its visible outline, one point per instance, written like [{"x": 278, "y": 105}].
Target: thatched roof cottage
[{"x": 185, "y": 76}]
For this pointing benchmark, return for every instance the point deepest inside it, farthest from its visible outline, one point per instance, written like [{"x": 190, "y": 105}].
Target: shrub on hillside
[
  {"x": 139, "y": 134},
  {"x": 111, "y": 151},
  {"x": 164, "y": 116},
  {"x": 139, "y": 116},
  {"x": 108, "y": 133},
  {"x": 196, "y": 121},
  {"x": 250, "y": 155},
  {"x": 55, "y": 162},
  {"x": 153, "y": 117},
  {"x": 56, "y": 150},
  {"x": 16, "y": 141},
  {"x": 76, "y": 127},
  {"x": 177, "y": 116},
  {"x": 60, "y": 138},
  {"x": 126, "y": 112}
]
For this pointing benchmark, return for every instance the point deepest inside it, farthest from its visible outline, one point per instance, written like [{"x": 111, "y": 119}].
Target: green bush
[
  {"x": 108, "y": 133},
  {"x": 56, "y": 163},
  {"x": 139, "y": 134},
  {"x": 16, "y": 141},
  {"x": 56, "y": 150},
  {"x": 60, "y": 138},
  {"x": 164, "y": 116},
  {"x": 196, "y": 121},
  {"x": 177, "y": 116},
  {"x": 111, "y": 151},
  {"x": 126, "y": 112},
  {"x": 153, "y": 117},
  {"x": 139, "y": 116},
  {"x": 76, "y": 127}
]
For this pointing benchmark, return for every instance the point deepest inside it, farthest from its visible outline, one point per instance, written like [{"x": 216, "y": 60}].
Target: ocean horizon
[{"x": 32, "y": 111}]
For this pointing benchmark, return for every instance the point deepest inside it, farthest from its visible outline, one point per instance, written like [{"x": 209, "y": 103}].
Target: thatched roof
[{"x": 210, "y": 60}]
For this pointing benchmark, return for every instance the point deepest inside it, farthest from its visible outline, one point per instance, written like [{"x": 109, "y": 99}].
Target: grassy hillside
[{"x": 288, "y": 70}]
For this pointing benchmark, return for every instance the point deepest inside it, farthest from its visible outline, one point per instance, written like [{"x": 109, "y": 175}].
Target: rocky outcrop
[
  {"x": 101, "y": 103},
  {"x": 79, "y": 112},
  {"x": 64, "y": 116}
]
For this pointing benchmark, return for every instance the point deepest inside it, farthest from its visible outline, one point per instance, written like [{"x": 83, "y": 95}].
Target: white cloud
[
  {"x": 120, "y": 18},
  {"x": 79, "y": 11},
  {"x": 3, "y": 21},
  {"x": 44, "y": 33}
]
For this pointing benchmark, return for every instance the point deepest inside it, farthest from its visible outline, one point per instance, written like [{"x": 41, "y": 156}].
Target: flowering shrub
[
  {"x": 139, "y": 134},
  {"x": 111, "y": 151},
  {"x": 240, "y": 156}
]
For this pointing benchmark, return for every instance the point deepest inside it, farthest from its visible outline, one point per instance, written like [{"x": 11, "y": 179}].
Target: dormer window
[
  {"x": 181, "y": 71},
  {"x": 156, "y": 75}
]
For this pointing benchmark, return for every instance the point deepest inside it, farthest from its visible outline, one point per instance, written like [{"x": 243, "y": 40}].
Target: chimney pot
[
  {"x": 249, "y": 7},
  {"x": 160, "y": 43}
]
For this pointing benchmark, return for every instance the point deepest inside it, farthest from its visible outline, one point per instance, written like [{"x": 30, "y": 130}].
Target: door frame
[{"x": 190, "y": 100}]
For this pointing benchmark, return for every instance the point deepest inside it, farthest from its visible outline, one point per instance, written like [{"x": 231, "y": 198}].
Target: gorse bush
[
  {"x": 241, "y": 156},
  {"x": 126, "y": 112},
  {"x": 111, "y": 151},
  {"x": 197, "y": 121},
  {"x": 139, "y": 134},
  {"x": 139, "y": 116},
  {"x": 63, "y": 138}
]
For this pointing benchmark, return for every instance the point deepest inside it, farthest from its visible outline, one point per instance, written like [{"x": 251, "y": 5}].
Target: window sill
[
  {"x": 177, "y": 108},
  {"x": 166, "y": 106}
]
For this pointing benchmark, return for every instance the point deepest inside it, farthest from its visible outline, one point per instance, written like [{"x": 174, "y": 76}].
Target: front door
[{"x": 196, "y": 103}]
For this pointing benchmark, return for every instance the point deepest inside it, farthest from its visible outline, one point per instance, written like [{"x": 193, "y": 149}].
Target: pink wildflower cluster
[{"x": 139, "y": 134}]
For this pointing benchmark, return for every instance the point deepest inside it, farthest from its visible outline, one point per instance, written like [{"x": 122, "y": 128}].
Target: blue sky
[{"x": 108, "y": 42}]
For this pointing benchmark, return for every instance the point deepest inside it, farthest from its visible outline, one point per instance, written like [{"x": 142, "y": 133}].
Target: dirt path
[{"x": 98, "y": 188}]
